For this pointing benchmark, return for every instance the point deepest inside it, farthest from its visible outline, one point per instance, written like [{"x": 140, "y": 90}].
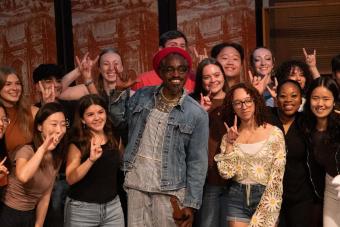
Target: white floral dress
[{"x": 265, "y": 167}]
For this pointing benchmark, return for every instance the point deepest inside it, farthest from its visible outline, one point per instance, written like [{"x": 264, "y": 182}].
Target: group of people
[{"x": 182, "y": 145}]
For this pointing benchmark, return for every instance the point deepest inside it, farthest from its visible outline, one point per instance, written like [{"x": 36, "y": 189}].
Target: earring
[{"x": 84, "y": 125}]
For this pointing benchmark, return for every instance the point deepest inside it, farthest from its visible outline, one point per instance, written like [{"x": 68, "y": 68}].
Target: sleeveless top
[
  {"x": 99, "y": 185},
  {"x": 14, "y": 135}
]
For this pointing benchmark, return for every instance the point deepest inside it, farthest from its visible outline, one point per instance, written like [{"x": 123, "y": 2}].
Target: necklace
[{"x": 164, "y": 104}]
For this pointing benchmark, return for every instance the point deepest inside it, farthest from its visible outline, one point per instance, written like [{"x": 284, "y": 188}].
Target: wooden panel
[
  {"x": 27, "y": 36},
  {"x": 209, "y": 22},
  {"x": 312, "y": 26},
  {"x": 129, "y": 26}
]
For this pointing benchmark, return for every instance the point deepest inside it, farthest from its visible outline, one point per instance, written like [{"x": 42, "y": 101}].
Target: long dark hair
[
  {"x": 44, "y": 112},
  {"x": 81, "y": 134},
  {"x": 199, "y": 77},
  {"x": 333, "y": 119},
  {"x": 261, "y": 112}
]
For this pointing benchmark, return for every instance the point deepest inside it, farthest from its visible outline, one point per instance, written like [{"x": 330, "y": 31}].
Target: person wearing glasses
[
  {"x": 253, "y": 156},
  {"x": 166, "y": 157}
]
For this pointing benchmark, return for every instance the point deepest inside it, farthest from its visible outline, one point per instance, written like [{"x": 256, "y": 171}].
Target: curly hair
[
  {"x": 199, "y": 77},
  {"x": 284, "y": 70},
  {"x": 261, "y": 114},
  {"x": 333, "y": 119}
]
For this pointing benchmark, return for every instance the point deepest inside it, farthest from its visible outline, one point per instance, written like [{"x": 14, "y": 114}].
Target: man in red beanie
[
  {"x": 173, "y": 38},
  {"x": 166, "y": 155}
]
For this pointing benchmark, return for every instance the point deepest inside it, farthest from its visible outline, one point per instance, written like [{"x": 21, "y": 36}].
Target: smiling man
[
  {"x": 166, "y": 156},
  {"x": 172, "y": 38}
]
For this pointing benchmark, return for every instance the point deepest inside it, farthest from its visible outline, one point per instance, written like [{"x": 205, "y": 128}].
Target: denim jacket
[{"x": 185, "y": 149}]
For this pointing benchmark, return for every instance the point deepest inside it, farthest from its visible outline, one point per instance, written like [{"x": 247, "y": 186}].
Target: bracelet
[
  {"x": 87, "y": 83},
  {"x": 91, "y": 160}
]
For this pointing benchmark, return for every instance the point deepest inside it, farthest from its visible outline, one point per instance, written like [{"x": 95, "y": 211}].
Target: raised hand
[
  {"x": 124, "y": 80},
  {"x": 50, "y": 143},
  {"x": 205, "y": 101},
  {"x": 310, "y": 58},
  {"x": 85, "y": 66},
  {"x": 200, "y": 57},
  {"x": 3, "y": 169},
  {"x": 47, "y": 94},
  {"x": 259, "y": 82},
  {"x": 232, "y": 132},
  {"x": 273, "y": 90},
  {"x": 96, "y": 150}
]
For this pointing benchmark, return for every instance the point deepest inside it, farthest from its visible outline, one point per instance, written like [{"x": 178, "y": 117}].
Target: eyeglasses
[
  {"x": 5, "y": 121},
  {"x": 170, "y": 70},
  {"x": 247, "y": 102}
]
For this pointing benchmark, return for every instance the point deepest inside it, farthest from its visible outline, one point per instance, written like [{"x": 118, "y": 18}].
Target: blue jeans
[
  {"x": 83, "y": 214},
  {"x": 213, "y": 211},
  {"x": 243, "y": 200}
]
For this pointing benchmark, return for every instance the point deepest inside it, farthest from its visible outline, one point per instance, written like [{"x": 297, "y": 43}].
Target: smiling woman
[
  {"x": 322, "y": 127},
  {"x": 34, "y": 168},
  {"x": 12, "y": 95},
  {"x": 253, "y": 157},
  {"x": 91, "y": 169}
]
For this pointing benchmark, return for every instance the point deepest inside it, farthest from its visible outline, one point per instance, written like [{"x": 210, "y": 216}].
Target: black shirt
[
  {"x": 99, "y": 185},
  {"x": 297, "y": 184}
]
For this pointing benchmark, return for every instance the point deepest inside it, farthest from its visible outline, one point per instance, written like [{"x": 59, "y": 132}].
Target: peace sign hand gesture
[
  {"x": 96, "y": 149},
  {"x": 232, "y": 132},
  {"x": 47, "y": 94}
]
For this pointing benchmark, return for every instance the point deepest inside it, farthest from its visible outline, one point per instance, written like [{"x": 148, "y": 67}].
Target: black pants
[
  {"x": 16, "y": 218},
  {"x": 297, "y": 214}
]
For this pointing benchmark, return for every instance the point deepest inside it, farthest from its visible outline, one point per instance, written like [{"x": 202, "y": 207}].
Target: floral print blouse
[{"x": 265, "y": 167}]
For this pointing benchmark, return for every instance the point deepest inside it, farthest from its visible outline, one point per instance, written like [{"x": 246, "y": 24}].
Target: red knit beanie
[{"x": 160, "y": 55}]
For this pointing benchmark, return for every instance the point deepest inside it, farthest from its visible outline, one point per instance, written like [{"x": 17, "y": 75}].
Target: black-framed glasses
[
  {"x": 5, "y": 120},
  {"x": 247, "y": 102},
  {"x": 170, "y": 70}
]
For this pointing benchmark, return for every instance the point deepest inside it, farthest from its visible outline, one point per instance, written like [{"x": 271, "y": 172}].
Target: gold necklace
[{"x": 164, "y": 104}]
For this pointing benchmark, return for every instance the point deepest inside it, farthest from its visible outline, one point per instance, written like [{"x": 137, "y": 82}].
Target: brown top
[
  {"x": 14, "y": 135},
  {"x": 25, "y": 197},
  {"x": 216, "y": 132}
]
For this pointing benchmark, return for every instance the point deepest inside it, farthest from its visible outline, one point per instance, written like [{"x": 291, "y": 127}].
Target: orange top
[{"x": 14, "y": 135}]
